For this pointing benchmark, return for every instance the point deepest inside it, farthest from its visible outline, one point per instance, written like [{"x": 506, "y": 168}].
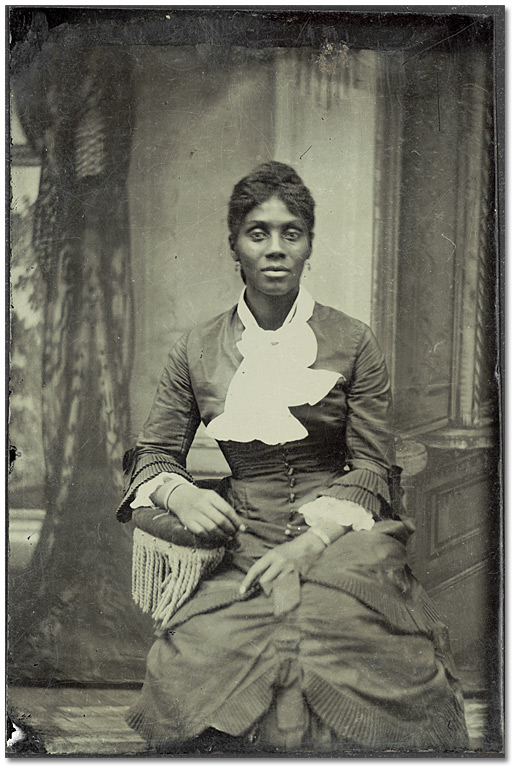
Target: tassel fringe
[{"x": 165, "y": 575}]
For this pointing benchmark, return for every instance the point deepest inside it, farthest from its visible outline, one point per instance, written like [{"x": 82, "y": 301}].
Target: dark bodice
[
  {"x": 253, "y": 460},
  {"x": 349, "y": 426}
]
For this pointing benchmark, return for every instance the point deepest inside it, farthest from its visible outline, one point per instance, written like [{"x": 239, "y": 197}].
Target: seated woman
[{"x": 312, "y": 632}]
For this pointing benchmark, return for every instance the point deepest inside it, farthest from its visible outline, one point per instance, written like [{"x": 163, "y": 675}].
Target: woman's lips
[{"x": 275, "y": 271}]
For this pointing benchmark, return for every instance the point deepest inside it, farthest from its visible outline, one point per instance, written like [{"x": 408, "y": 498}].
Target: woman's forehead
[{"x": 274, "y": 211}]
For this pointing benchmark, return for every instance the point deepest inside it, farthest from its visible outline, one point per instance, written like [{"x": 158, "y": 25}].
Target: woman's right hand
[{"x": 204, "y": 512}]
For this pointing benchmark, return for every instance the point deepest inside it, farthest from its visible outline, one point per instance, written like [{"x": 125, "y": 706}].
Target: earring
[
  {"x": 237, "y": 266},
  {"x": 308, "y": 266}
]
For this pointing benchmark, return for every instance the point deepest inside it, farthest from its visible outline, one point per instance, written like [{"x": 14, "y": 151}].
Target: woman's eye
[
  {"x": 257, "y": 236},
  {"x": 292, "y": 235}
]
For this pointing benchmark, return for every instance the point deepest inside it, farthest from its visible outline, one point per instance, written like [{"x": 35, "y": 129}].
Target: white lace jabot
[{"x": 274, "y": 374}]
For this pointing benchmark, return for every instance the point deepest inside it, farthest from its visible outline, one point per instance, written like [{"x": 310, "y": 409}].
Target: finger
[
  {"x": 220, "y": 520},
  {"x": 256, "y": 570},
  {"x": 196, "y": 528},
  {"x": 226, "y": 509},
  {"x": 271, "y": 573},
  {"x": 206, "y": 520}
]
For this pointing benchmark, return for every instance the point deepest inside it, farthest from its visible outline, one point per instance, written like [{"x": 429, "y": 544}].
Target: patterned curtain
[{"x": 74, "y": 618}]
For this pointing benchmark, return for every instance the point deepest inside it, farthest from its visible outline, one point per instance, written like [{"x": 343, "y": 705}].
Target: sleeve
[
  {"x": 165, "y": 482},
  {"x": 166, "y": 438},
  {"x": 370, "y": 479}
]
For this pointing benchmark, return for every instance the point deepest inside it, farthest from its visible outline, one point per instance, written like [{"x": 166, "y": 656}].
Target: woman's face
[{"x": 272, "y": 246}]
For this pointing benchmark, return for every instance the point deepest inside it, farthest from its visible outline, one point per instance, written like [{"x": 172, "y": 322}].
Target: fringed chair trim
[{"x": 165, "y": 575}]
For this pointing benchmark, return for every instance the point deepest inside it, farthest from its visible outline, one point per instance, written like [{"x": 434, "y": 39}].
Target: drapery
[{"x": 71, "y": 613}]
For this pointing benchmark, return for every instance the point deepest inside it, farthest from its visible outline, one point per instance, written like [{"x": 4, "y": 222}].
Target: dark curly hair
[{"x": 267, "y": 180}]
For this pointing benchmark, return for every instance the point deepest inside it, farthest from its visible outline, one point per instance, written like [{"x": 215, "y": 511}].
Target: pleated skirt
[{"x": 351, "y": 655}]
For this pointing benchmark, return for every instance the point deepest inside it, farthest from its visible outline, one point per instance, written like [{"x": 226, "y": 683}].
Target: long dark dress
[{"x": 353, "y": 651}]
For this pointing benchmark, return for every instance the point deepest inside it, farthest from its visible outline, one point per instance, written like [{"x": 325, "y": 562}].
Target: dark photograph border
[{"x": 127, "y": 129}]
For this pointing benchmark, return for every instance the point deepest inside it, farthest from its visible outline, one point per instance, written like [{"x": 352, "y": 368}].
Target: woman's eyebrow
[
  {"x": 255, "y": 223},
  {"x": 267, "y": 224}
]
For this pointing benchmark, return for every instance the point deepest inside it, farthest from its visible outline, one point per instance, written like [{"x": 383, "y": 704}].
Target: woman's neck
[{"x": 271, "y": 311}]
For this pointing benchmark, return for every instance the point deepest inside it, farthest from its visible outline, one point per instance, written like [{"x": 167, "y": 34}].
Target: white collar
[{"x": 274, "y": 374}]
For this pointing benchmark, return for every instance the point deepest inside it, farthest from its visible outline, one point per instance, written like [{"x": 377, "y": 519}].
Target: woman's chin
[{"x": 277, "y": 287}]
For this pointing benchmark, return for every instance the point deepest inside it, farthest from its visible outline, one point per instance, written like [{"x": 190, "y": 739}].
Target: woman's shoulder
[
  {"x": 340, "y": 334},
  {"x": 210, "y": 326},
  {"x": 208, "y": 331},
  {"x": 328, "y": 315}
]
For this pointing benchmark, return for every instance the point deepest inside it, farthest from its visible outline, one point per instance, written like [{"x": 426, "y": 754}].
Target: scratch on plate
[{"x": 451, "y": 242}]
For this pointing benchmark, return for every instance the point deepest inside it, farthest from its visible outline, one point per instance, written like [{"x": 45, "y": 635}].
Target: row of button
[{"x": 292, "y": 529}]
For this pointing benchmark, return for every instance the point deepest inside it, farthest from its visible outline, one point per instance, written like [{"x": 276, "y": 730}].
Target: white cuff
[
  {"x": 341, "y": 511},
  {"x": 142, "y": 495}
]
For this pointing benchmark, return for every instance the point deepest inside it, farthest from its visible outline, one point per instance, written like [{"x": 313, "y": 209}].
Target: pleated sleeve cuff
[
  {"x": 365, "y": 488},
  {"x": 140, "y": 467}
]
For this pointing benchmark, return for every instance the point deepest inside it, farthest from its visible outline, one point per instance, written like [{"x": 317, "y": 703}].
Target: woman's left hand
[{"x": 298, "y": 555}]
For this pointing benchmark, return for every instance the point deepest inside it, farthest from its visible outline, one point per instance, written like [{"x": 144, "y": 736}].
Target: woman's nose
[{"x": 275, "y": 246}]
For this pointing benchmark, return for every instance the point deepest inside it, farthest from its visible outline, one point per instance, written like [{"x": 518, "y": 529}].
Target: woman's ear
[{"x": 232, "y": 247}]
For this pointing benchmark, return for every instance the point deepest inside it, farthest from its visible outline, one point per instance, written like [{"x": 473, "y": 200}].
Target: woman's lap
[{"x": 223, "y": 667}]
